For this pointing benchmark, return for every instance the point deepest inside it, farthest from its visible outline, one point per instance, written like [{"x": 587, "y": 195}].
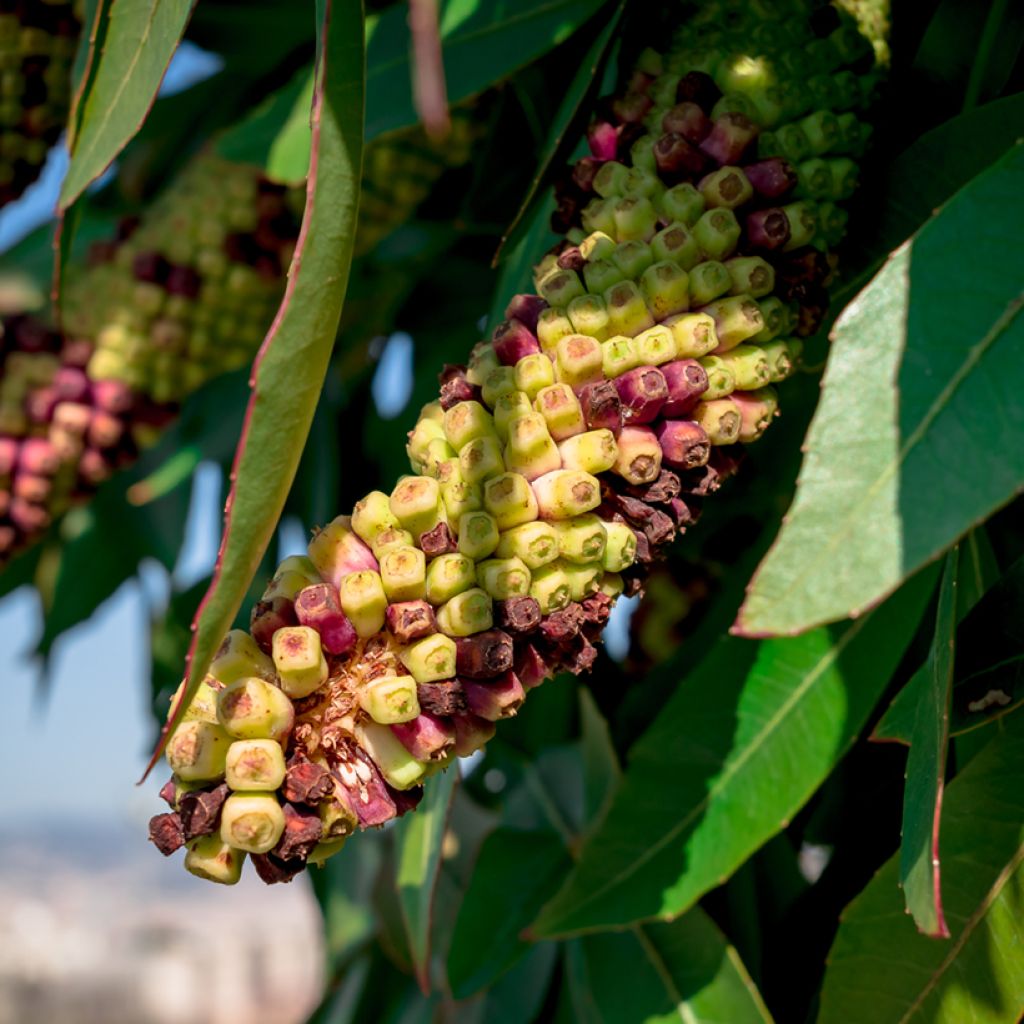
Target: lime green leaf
[
  {"x": 289, "y": 370},
  {"x": 881, "y": 969},
  {"x": 743, "y": 742},
  {"x": 920, "y": 398},
  {"x": 418, "y": 851},
  {"x": 126, "y": 70},
  {"x": 926, "y": 768},
  {"x": 662, "y": 973}
]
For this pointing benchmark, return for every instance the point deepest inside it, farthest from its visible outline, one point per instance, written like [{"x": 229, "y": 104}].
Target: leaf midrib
[
  {"x": 970, "y": 925},
  {"x": 730, "y": 771}
]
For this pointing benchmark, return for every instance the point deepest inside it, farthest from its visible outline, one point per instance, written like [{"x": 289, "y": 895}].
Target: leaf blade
[
  {"x": 926, "y": 769},
  {"x": 289, "y": 370},
  {"x": 140, "y": 39},
  {"x": 418, "y": 845},
  {"x": 722, "y": 755},
  {"x": 881, "y": 968},
  {"x": 907, "y": 381}
]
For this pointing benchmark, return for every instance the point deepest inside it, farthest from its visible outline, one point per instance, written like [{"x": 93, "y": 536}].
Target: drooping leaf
[
  {"x": 482, "y": 42},
  {"x": 126, "y": 68},
  {"x": 740, "y": 746},
  {"x": 418, "y": 852},
  {"x": 881, "y": 969},
  {"x": 289, "y": 370},
  {"x": 977, "y": 573},
  {"x": 566, "y": 123},
  {"x": 515, "y": 872},
  {"x": 684, "y": 970},
  {"x": 920, "y": 398},
  {"x": 926, "y": 768}
]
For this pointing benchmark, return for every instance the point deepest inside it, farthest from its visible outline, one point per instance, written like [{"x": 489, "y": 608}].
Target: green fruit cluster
[{"x": 556, "y": 465}]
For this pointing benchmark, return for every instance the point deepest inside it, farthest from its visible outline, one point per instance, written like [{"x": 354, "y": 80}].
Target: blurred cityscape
[{"x": 98, "y": 928}]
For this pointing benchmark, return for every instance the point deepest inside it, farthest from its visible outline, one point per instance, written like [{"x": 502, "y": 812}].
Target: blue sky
[{"x": 82, "y": 750}]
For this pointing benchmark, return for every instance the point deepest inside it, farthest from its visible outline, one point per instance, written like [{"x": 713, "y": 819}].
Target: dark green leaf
[
  {"x": 977, "y": 573},
  {"x": 601, "y": 772},
  {"x": 517, "y": 996},
  {"x": 514, "y": 874},
  {"x": 740, "y": 746},
  {"x": 289, "y": 370},
  {"x": 660, "y": 973},
  {"x": 920, "y": 398},
  {"x": 418, "y": 839},
  {"x": 139, "y": 40},
  {"x": 926, "y": 768},
  {"x": 881, "y": 969},
  {"x": 482, "y": 42},
  {"x": 566, "y": 124}
]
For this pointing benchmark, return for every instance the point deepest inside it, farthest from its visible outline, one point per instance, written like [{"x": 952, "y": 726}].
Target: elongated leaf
[
  {"x": 482, "y": 42},
  {"x": 517, "y": 997},
  {"x": 920, "y": 398},
  {"x": 881, "y": 969},
  {"x": 977, "y": 573},
  {"x": 139, "y": 40},
  {"x": 601, "y": 772},
  {"x": 737, "y": 750},
  {"x": 418, "y": 840},
  {"x": 566, "y": 122},
  {"x": 514, "y": 874},
  {"x": 289, "y": 370},
  {"x": 681, "y": 971},
  {"x": 926, "y": 769}
]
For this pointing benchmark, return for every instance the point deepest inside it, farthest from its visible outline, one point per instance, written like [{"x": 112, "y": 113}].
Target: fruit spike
[{"x": 579, "y": 441}]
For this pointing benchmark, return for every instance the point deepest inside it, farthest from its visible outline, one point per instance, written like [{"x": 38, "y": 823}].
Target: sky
[{"x": 80, "y": 751}]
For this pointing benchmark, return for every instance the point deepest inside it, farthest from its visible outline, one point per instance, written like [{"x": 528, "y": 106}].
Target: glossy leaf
[
  {"x": 920, "y": 398},
  {"x": 740, "y": 746},
  {"x": 289, "y": 370},
  {"x": 881, "y": 969},
  {"x": 418, "y": 841},
  {"x": 139, "y": 39},
  {"x": 515, "y": 872},
  {"x": 660, "y": 973},
  {"x": 926, "y": 768}
]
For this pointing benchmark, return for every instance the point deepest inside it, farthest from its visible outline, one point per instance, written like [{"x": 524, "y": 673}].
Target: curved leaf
[
  {"x": 418, "y": 851},
  {"x": 289, "y": 370},
  {"x": 128, "y": 59},
  {"x": 917, "y": 435},
  {"x": 661, "y": 973},
  {"x": 926, "y": 768},
  {"x": 881, "y": 969},
  {"x": 737, "y": 750}
]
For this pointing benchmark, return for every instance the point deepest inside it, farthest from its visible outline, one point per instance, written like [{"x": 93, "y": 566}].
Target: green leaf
[
  {"x": 289, "y": 371},
  {"x": 739, "y": 747},
  {"x": 976, "y": 574},
  {"x": 566, "y": 124},
  {"x": 601, "y": 772},
  {"x": 518, "y": 996},
  {"x": 920, "y": 398},
  {"x": 881, "y": 969},
  {"x": 926, "y": 768},
  {"x": 661, "y": 973},
  {"x": 418, "y": 848},
  {"x": 515, "y": 872},
  {"x": 482, "y": 42},
  {"x": 139, "y": 39}
]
